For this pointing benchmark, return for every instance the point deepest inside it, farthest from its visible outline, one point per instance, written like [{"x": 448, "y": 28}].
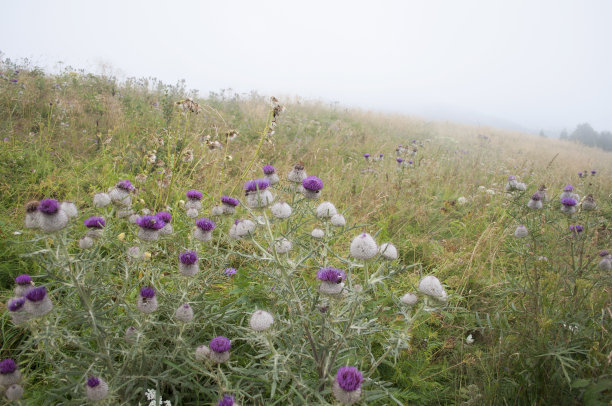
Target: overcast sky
[{"x": 536, "y": 63}]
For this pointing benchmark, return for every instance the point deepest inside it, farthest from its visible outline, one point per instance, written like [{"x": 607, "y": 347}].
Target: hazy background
[{"x": 520, "y": 64}]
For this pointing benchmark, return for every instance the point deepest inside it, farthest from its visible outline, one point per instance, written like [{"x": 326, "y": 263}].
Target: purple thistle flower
[
  {"x": 164, "y": 216},
  {"x": 205, "y": 224},
  {"x": 536, "y": 196},
  {"x": 349, "y": 378},
  {"x": 366, "y": 155},
  {"x": 381, "y": 155},
  {"x": 568, "y": 201},
  {"x": 330, "y": 274},
  {"x": 580, "y": 174},
  {"x": 577, "y": 228},
  {"x": 125, "y": 185},
  {"x": 23, "y": 279},
  {"x": 7, "y": 366},
  {"x": 194, "y": 195},
  {"x": 399, "y": 160},
  {"x": 593, "y": 173},
  {"x": 568, "y": 188},
  {"x": 312, "y": 183},
  {"x": 226, "y": 401},
  {"x": 16, "y": 304},
  {"x": 220, "y": 344},
  {"x": 230, "y": 271},
  {"x": 147, "y": 292},
  {"x": 410, "y": 162},
  {"x": 150, "y": 222},
  {"x": 93, "y": 381},
  {"x": 36, "y": 294},
  {"x": 95, "y": 222},
  {"x": 269, "y": 170},
  {"x": 229, "y": 201},
  {"x": 511, "y": 177},
  {"x": 255, "y": 184},
  {"x": 48, "y": 206},
  {"x": 603, "y": 253},
  {"x": 188, "y": 257}
]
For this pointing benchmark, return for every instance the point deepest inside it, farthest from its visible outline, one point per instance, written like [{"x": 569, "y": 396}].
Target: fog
[{"x": 524, "y": 64}]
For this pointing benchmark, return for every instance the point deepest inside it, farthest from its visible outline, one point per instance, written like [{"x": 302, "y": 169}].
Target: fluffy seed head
[
  {"x": 184, "y": 313},
  {"x": 95, "y": 222},
  {"x": 261, "y": 320},
  {"x": 48, "y": 206},
  {"x": 14, "y": 392},
  {"x": 317, "y": 233},
  {"x": 283, "y": 245},
  {"x": 101, "y": 200},
  {"x": 338, "y": 220},
  {"x": 202, "y": 352},
  {"x": 220, "y": 344},
  {"x": 32, "y": 206},
  {"x": 96, "y": 389}
]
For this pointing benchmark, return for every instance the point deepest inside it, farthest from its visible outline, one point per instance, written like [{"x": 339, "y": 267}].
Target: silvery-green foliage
[{"x": 96, "y": 328}]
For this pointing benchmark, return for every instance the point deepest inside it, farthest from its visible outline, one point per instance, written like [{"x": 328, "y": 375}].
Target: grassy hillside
[{"x": 537, "y": 308}]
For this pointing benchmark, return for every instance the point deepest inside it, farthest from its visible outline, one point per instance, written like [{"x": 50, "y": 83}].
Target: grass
[{"x": 73, "y": 134}]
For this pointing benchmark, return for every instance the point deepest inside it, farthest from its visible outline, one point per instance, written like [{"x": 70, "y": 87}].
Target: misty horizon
[{"x": 521, "y": 66}]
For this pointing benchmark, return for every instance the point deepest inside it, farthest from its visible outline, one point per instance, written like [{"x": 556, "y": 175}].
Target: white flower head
[
  {"x": 101, "y": 199},
  {"x": 317, "y": 233},
  {"x": 521, "y": 232},
  {"x": 261, "y": 320},
  {"x": 462, "y": 201},
  {"x": 281, "y": 210},
  {"x": 283, "y": 245},
  {"x": 363, "y": 247},
  {"x": 70, "y": 209},
  {"x": 326, "y": 210},
  {"x": 388, "y": 251},
  {"x": 410, "y": 299},
  {"x": 431, "y": 286},
  {"x": 184, "y": 313},
  {"x": 338, "y": 220}
]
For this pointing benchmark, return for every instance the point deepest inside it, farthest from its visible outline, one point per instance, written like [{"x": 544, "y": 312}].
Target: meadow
[{"x": 473, "y": 309}]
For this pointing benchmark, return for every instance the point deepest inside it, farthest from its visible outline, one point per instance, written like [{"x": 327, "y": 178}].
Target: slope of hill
[{"x": 527, "y": 320}]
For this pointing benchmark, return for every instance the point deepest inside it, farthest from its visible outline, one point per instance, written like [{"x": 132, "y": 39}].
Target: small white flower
[
  {"x": 469, "y": 339},
  {"x": 490, "y": 192},
  {"x": 462, "y": 201}
]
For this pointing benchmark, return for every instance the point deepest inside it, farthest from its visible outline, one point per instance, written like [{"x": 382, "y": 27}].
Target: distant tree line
[{"x": 585, "y": 134}]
